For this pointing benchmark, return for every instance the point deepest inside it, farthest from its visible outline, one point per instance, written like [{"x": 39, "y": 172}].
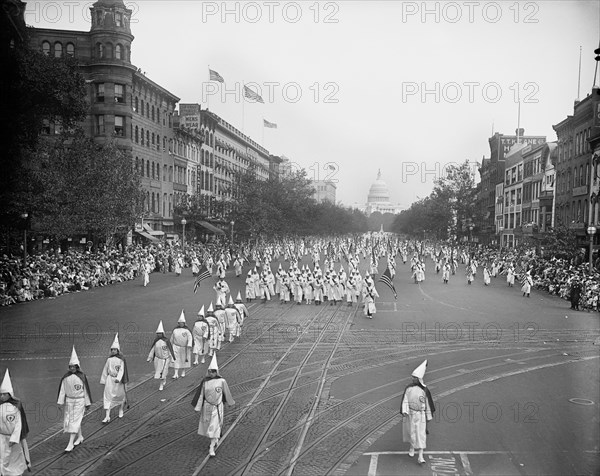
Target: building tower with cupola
[{"x": 125, "y": 106}]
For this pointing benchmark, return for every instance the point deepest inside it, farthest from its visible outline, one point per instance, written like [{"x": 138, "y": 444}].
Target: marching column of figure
[
  {"x": 182, "y": 342},
  {"x": 161, "y": 353},
  {"x": 74, "y": 394},
  {"x": 14, "y": 452},
  {"x": 114, "y": 377},
  {"x": 417, "y": 410},
  {"x": 201, "y": 335},
  {"x": 209, "y": 398}
]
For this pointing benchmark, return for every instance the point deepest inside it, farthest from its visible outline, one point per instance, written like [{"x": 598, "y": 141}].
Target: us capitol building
[{"x": 378, "y": 199}]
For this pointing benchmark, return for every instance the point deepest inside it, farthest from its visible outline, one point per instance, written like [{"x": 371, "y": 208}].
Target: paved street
[{"x": 318, "y": 388}]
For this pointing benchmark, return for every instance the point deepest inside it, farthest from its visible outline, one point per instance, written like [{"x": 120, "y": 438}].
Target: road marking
[
  {"x": 464, "y": 459},
  {"x": 373, "y": 465}
]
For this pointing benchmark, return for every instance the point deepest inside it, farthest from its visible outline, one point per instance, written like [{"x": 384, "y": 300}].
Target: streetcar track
[{"x": 53, "y": 459}]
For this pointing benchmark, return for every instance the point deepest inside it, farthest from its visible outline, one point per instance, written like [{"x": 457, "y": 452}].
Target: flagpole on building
[
  {"x": 243, "y": 101},
  {"x": 263, "y": 135},
  {"x": 208, "y": 98}
]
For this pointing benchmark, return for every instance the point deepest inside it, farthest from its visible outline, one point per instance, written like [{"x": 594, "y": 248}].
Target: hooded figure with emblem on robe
[
  {"x": 161, "y": 354},
  {"x": 14, "y": 452},
  {"x": 114, "y": 377}
]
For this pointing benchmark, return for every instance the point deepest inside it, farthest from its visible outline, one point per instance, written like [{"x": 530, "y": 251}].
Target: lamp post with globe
[
  {"x": 591, "y": 231},
  {"x": 183, "y": 223}
]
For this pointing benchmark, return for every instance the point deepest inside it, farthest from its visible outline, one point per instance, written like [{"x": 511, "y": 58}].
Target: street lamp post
[
  {"x": 470, "y": 234},
  {"x": 591, "y": 231},
  {"x": 24, "y": 217},
  {"x": 232, "y": 223},
  {"x": 183, "y": 223}
]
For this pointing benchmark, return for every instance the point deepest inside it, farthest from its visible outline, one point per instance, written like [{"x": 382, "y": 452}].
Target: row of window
[
  {"x": 108, "y": 51},
  {"x": 118, "y": 128},
  {"x": 578, "y": 212},
  {"x": 57, "y": 50},
  {"x": 147, "y": 109},
  {"x": 152, "y": 203},
  {"x": 572, "y": 147},
  {"x": 119, "y": 92},
  {"x": 579, "y": 177}
]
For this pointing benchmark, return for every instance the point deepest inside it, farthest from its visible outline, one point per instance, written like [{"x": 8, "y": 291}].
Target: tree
[
  {"x": 85, "y": 187},
  {"x": 33, "y": 88}
]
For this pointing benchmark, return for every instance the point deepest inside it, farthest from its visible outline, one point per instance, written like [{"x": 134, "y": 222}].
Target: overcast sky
[{"x": 354, "y": 82}]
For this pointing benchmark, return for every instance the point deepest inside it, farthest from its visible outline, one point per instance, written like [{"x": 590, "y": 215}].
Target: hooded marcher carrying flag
[
  {"x": 208, "y": 400},
  {"x": 203, "y": 274},
  {"x": 14, "y": 454},
  {"x": 114, "y": 377},
  {"x": 161, "y": 353},
  {"x": 417, "y": 409},
  {"x": 386, "y": 278},
  {"x": 74, "y": 393}
]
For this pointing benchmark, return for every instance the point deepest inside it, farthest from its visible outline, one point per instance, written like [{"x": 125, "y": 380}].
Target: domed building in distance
[{"x": 378, "y": 199}]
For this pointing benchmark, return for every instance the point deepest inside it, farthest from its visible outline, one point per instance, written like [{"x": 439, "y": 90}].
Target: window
[
  {"x": 70, "y": 49},
  {"x": 142, "y": 107},
  {"x": 100, "y": 50},
  {"x": 100, "y": 124},
  {"x": 142, "y": 168},
  {"x": 118, "y": 19},
  {"x": 118, "y": 52},
  {"x": 137, "y": 135},
  {"x": 152, "y": 169},
  {"x": 147, "y": 168},
  {"x": 119, "y": 93},
  {"x": 109, "y": 50},
  {"x": 136, "y": 105},
  {"x": 119, "y": 126},
  {"x": 142, "y": 137},
  {"x": 153, "y": 112},
  {"x": 153, "y": 138},
  {"x": 46, "y": 48},
  {"x": 58, "y": 50},
  {"x": 99, "y": 92},
  {"x": 157, "y": 171},
  {"x": 148, "y": 138}
]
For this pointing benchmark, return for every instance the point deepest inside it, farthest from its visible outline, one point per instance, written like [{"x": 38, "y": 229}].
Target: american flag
[
  {"x": 270, "y": 125},
  {"x": 214, "y": 76},
  {"x": 204, "y": 274},
  {"x": 252, "y": 95},
  {"x": 386, "y": 278}
]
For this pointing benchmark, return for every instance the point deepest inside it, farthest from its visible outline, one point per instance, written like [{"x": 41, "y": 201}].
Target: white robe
[
  {"x": 114, "y": 392},
  {"x": 181, "y": 339},
  {"x": 12, "y": 459},
  {"x": 210, "y": 406},
  {"x": 416, "y": 405},
  {"x": 200, "y": 334},
  {"x": 161, "y": 356},
  {"x": 75, "y": 398}
]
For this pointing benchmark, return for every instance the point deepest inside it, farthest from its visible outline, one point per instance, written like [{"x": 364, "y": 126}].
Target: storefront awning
[
  {"x": 167, "y": 223},
  {"x": 147, "y": 236},
  {"x": 211, "y": 228}
]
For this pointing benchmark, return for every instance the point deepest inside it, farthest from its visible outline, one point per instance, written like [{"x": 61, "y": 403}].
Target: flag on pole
[
  {"x": 202, "y": 275},
  {"x": 252, "y": 95},
  {"x": 270, "y": 125},
  {"x": 386, "y": 278},
  {"x": 214, "y": 76}
]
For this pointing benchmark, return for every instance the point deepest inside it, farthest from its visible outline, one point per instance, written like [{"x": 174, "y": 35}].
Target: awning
[
  {"x": 209, "y": 227},
  {"x": 167, "y": 223},
  {"x": 147, "y": 236}
]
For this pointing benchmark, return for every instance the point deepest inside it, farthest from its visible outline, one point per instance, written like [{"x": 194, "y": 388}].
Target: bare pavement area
[{"x": 515, "y": 380}]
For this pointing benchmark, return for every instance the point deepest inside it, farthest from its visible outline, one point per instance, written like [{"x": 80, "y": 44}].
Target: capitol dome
[{"x": 379, "y": 191}]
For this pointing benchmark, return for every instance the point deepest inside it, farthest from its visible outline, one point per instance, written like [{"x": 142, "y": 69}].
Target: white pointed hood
[
  {"x": 115, "y": 344},
  {"x": 160, "y": 328},
  {"x": 181, "y": 317},
  {"x": 213, "y": 363},
  {"x": 74, "y": 359},
  {"x": 6, "y": 386}
]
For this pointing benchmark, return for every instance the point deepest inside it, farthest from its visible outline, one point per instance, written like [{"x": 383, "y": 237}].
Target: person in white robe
[
  {"x": 243, "y": 311},
  {"x": 201, "y": 335},
  {"x": 74, "y": 394},
  {"x": 232, "y": 318},
  {"x": 237, "y": 266},
  {"x": 486, "y": 275},
  {"x": 214, "y": 338},
  {"x": 446, "y": 272},
  {"x": 209, "y": 400},
  {"x": 417, "y": 410},
  {"x": 221, "y": 289},
  {"x": 222, "y": 318},
  {"x": 114, "y": 377},
  {"x": 14, "y": 452},
  {"x": 182, "y": 342},
  {"x": 250, "y": 294},
  {"x": 510, "y": 276},
  {"x": 527, "y": 283},
  {"x": 161, "y": 354}
]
